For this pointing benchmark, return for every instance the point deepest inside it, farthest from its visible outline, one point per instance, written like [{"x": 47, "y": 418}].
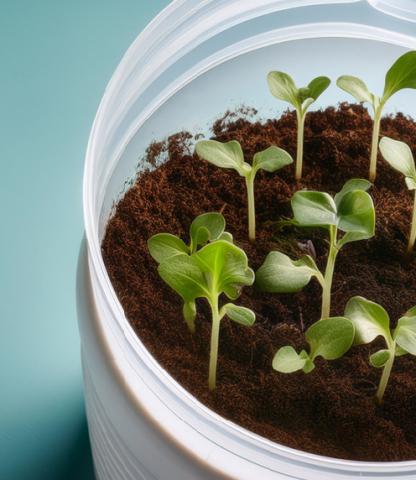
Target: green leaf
[
  {"x": 402, "y": 74},
  {"x": 314, "y": 209},
  {"x": 317, "y": 86},
  {"x": 182, "y": 274},
  {"x": 224, "y": 155},
  {"x": 356, "y": 214},
  {"x": 411, "y": 312},
  {"x": 238, "y": 314},
  {"x": 330, "y": 338},
  {"x": 370, "y": 320},
  {"x": 283, "y": 87},
  {"x": 399, "y": 352},
  {"x": 287, "y": 360},
  {"x": 189, "y": 314},
  {"x": 405, "y": 334},
  {"x": 355, "y": 87},
  {"x": 280, "y": 274},
  {"x": 271, "y": 159},
  {"x": 206, "y": 228},
  {"x": 399, "y": 156},
  {"x": 225, "y": 266},
  {"x": 304, "y": 95},
  {"x": 380, "y": 358},
  {"x": 164, "y": 245},
  {"x": 350, "y": 186},
  {"x": 227, "y": 236}
]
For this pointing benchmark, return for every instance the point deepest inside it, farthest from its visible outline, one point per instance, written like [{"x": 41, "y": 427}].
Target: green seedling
[
  {"x": 351, "y": 211},
  {"x": 205, "y": 228},
  {"x": 230, "y": 155},
  {"x": 220, "y": 267},
  {"x": 330, "y": 339},
  {"x": 283, "y": 87},
  {"x": 402, "y": 74},
  {"x": 371, "y": 321},
  {"x": 399, "y": 156}
]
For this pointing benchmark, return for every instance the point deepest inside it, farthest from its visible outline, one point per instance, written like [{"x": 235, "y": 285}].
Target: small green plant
[
  {"x": 350, "y": 211},
  {"x": 399, "y": 156},
  {"x": 205, "y": 228},
  {"x": 220, "y": 267},
  {"x": 230, "y": 155},
  {"x": 283, "y": 87},
  {"x": 371, "y": 321},
  {"x": 329, "y": 338},
  {"x": 402, "y": 74}
]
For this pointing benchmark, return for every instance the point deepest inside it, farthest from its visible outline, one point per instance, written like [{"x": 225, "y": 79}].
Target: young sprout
[
  {"x": 350, "y": 211},
  {"x": 205, "y": 228},
  {"x": 402, "y": 74},
  {"x": 329, "y": 338},
  {"x": 399, "y": 156},
  {"x": 371, "y": 321},
  {"x": 283, "y": 87},
  {"x": 217, "y": 268},
  {"x": 230, "y": 155}
]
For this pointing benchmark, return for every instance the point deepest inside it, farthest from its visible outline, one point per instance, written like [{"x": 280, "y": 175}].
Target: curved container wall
[{"x": 197, "y": 59}]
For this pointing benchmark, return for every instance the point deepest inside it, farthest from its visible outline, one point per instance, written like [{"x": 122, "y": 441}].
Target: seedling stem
[
  {"x": 386, "y": 374},
  {"x": 299, "y": 150},
  {"x": 251, "y": 207},
  {"x": 374, "y": 144},
  {"x": 329, "y": 272},
  {"x": 412, "y": 237},
  {"x": 215, "y": 330}
]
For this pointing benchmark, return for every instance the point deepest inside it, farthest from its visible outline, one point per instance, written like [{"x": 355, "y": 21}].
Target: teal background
[{"x": 56, "y": 58}]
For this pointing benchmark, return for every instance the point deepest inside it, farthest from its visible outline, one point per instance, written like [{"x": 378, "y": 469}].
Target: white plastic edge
[{"x": 403, "y": 9}]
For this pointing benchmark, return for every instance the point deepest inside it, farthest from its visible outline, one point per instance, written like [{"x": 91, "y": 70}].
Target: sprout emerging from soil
[
  {"x": 283, "y": 87},
  {"x": 205, "y": 228},
  {"x": 217, "y": 268},
  {"x": 330, "y": 339},
  {"x": 402, "y": 74},
  {"x": 350, "y": 211},
  {"x": 399, "y": 156},
  {"x": 371, "y": 321},
  {"x": 230, "y": 155}
]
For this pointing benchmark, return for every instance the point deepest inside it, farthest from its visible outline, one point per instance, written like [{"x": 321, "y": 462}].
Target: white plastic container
[{"x": 194, "y": 61}]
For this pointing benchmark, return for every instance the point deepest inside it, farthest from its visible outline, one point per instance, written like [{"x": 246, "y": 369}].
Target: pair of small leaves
[
  {"x": 399, "y": 156},
  {"x": 219, "y": 267},
  {"x": 371, "y": 321},
  {"x": 283, "y": 87},
  {"x": 329, "y": 338},
  {"x": 230, "y": 155},
  {"x": 402, "y": 74},
  {"x": 205, "y": 228},
  {"x": 351, "y": 210}
]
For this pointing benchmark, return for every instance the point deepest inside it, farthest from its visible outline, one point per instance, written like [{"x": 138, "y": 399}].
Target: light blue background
[{"x": 55, "y": 60}]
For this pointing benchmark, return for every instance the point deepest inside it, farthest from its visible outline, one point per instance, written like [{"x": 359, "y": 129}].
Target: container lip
[
  {"x": 96, "y": 262},
  {"x": 401, "y": 9}
]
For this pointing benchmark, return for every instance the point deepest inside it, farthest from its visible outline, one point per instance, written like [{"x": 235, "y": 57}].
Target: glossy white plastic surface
[{"x": 197, "y": 59}]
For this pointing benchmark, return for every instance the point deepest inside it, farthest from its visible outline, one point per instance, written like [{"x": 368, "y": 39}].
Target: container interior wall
[{"x": 242, "y": 81}]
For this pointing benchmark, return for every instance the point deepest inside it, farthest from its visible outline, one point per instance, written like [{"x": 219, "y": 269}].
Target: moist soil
[{"x": 330, "y": 411}]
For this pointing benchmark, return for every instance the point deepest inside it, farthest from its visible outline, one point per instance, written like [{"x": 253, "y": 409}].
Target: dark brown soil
[{"x": 331, "y": 411}]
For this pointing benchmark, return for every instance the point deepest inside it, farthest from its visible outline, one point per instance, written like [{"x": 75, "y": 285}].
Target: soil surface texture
[{"x": 330, "y": 411}]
